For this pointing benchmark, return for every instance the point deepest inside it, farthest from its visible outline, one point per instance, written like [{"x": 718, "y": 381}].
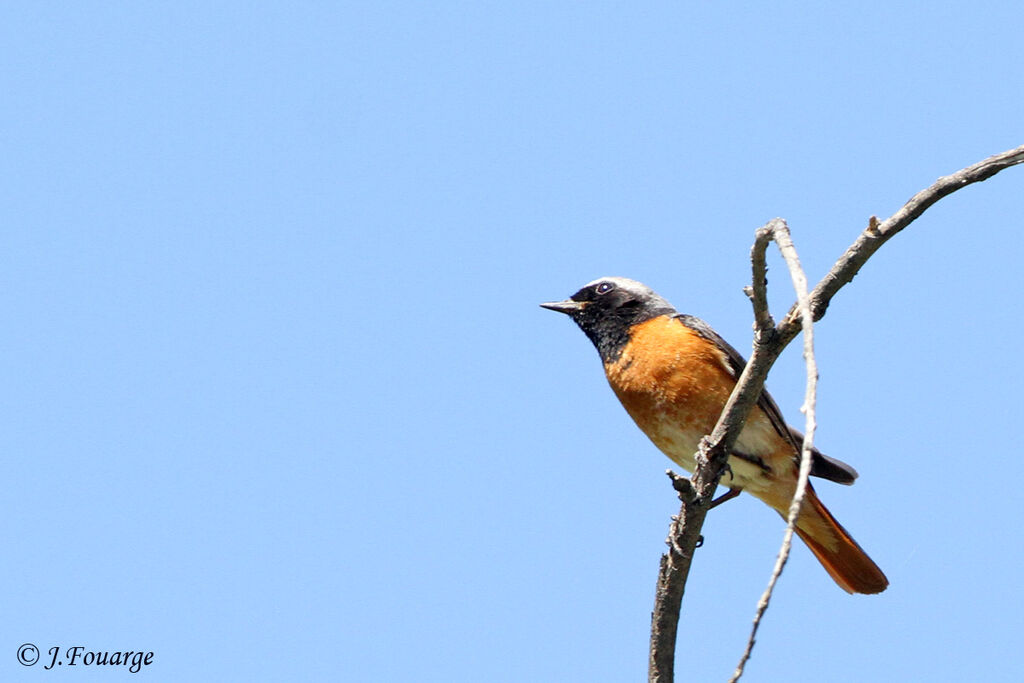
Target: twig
[
  {"x": 675, "y": 567},
  {"x": 879, "y": 232},
  {"x": 711, "y": 461},
  {"x": 768, "y": 344},
  {"x": 764, "y": 325},
  {"x": 780, "y": 233}
]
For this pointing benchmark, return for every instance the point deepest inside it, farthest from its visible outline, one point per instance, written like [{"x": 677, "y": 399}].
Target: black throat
[{"x": 610, "y": 330}]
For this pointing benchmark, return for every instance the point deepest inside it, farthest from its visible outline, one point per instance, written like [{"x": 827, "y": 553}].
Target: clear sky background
[{"x": 278, "y": 402}]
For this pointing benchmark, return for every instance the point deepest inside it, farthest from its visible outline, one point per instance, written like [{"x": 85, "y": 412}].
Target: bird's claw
[{"x": 728, "y": 495}]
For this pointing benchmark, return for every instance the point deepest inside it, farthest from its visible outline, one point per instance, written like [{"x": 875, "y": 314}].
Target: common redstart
[{"x": 673, "y": 375}]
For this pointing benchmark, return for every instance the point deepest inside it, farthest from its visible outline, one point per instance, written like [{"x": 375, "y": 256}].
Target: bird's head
[{"x": 608, "y": 307}]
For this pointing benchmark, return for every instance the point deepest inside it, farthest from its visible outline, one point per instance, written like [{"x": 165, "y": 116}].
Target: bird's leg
[{"x": 729, "y": 495}]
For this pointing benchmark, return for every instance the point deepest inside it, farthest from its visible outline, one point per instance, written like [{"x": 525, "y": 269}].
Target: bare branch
[
  {"x": 685, "y": 529},
  {"x": 780, "y": 233},
  {"x": 878, "y": 233},
  {"x": 683, "y": 537},
  {"x": 769, "y": 342},
  {"x": 764, "y": 325}
]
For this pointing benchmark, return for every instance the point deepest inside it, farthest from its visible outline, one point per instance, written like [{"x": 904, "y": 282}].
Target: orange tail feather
[{"x": 844, "y": 560}]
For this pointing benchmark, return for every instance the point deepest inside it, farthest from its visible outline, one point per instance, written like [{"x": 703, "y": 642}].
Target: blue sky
[{"x": 279, "y": 403}]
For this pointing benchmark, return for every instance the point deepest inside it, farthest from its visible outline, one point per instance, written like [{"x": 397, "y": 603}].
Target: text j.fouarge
[{"x": 82, "y": 656}]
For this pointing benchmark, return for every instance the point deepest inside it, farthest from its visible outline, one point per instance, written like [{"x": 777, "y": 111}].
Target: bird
[{"x": 673, "y": 374}]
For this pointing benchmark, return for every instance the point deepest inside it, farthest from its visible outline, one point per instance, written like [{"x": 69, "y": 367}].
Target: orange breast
[
  {"x": 669, "y": 375},
  {"x": 674, "y": 384}
]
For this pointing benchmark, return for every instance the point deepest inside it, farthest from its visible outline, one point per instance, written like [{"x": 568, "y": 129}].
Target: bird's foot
[{"x": 728, "y": 495}]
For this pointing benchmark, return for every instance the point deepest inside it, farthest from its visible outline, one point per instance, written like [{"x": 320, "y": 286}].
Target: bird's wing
[{"x": 821, "y": 465}]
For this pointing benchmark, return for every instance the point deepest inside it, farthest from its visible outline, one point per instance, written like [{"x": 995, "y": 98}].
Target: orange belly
[{"x": 674, "y": 384}]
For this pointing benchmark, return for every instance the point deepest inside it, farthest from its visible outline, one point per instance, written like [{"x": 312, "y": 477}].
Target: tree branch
[
  {"x": 764, "y": 325},
  {"x": 683, "y": 538},
  {"x": 878, "y": 233},
  {"x": 780, "y": 233},
  {"x": 769, "y": 341}
]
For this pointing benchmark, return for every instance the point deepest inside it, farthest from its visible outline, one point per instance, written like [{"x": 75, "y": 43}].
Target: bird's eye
[{"x": 604, "y": 288}]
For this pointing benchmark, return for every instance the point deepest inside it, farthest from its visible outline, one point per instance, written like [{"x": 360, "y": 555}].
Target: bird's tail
[{"x": 844, "y": 560}]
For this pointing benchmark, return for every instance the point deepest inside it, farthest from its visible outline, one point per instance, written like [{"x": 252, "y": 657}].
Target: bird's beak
[{"x": 568, "y": 306}]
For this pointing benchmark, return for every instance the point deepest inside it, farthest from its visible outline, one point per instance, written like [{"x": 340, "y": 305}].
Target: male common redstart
[{"x": 673, "y": 374}]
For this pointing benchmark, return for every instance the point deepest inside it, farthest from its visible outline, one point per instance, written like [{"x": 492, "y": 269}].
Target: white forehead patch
[
  {"x": 626, "y": 284},
  {"x": 639, "y": 288}
]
